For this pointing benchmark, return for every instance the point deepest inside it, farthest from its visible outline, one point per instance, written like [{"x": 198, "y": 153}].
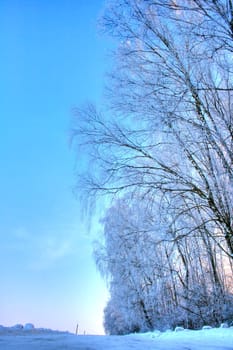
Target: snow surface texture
[{"x": 29, "y": 338}]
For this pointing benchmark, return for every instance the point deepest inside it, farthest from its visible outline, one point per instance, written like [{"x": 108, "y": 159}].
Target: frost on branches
[
  {"x": 163, "y": 150},
  {"x": 156, "y": 280}
]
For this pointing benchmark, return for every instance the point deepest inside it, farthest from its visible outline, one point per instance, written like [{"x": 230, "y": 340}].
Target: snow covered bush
[
  {"x": 29, "y": 326},
  {"x": 179, "y": 329}
]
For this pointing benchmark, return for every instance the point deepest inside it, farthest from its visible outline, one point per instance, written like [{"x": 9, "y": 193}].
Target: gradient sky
[{"x": 51, "y": 60}]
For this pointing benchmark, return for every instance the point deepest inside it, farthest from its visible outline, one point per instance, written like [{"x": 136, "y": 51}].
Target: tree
[
  {"x": 167, "y": 136},
  {"x": 179, "y": 98},
  {"x": 156, "y": 283}
]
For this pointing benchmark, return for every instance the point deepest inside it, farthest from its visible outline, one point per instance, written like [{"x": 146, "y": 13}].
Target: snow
[{"x": 30, "y": 338}]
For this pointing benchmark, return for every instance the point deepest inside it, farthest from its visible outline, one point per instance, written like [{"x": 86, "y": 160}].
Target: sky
[{"x": 52, "y": 59}]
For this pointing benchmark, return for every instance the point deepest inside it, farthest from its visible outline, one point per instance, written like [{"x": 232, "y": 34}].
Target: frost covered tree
[
  {"x": 174, "y": 87},
  {"x": 156, "y": 282},
  {"x": 167, "y": 137}
]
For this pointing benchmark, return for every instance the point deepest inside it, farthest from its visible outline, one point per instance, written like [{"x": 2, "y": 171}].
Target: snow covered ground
[{"x": 41, "y": 339}]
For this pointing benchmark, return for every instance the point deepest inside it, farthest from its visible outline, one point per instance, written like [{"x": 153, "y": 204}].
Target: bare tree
[
  {"x": 171, "y": 97},
  {"x": 166, "y": 137},
  {"x": 157, "y": 283}
]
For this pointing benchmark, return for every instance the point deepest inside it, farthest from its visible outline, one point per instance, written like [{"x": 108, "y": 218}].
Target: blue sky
[{"x": 52, "y": 59}]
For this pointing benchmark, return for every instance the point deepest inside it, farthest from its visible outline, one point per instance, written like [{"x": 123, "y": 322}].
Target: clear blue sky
[{"x": 51, "y": 60}]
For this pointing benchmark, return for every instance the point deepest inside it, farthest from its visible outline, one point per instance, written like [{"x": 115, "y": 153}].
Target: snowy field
[{"x": 41, "y": 339}]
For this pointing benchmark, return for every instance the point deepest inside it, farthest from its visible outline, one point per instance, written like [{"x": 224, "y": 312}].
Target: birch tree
[
  {"x": 166, "y": 136},
  {"x": 171, "y": 110},
  {"x": 157, "y": 283}
]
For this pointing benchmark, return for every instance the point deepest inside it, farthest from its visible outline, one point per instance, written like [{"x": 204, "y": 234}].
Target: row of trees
[
  {"x": 159, "y": 281},
  {"x": 164, "y": 150}
]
